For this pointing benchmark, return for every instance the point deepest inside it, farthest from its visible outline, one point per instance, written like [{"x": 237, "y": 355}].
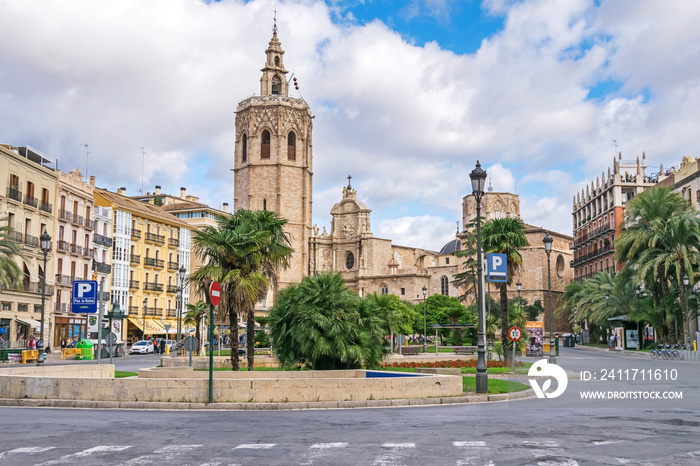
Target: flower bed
[{"x": 458, "y": 363}]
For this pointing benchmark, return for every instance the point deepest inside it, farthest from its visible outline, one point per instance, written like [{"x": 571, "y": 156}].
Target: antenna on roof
[
  {"x": 614, "y": 141},
  {"x": 274, "y": 27},
  {"x": 490, "y": 188},
  {"x": 87, "y": 160},
  {"x": 143, "y": 162}
]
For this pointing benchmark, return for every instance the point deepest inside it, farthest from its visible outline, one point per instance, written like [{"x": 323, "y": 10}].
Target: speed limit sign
[{"x": 515, "y": 334}]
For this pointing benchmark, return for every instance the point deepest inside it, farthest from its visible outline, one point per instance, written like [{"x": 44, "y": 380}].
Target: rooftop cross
[{"x": 349, "y": 178}]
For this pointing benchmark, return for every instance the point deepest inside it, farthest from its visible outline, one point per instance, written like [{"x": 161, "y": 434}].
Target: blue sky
[{"x": 407, "y": 95}]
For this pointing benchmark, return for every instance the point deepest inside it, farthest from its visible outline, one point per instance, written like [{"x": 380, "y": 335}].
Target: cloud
[{"x": 424, "y": 231}]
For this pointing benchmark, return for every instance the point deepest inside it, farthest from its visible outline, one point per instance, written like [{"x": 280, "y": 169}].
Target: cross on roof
[{"x": 349, "y": 178}]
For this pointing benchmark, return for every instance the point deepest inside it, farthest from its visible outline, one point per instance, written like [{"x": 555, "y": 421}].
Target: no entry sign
[
  {"x": 215, "y": 293},
  {"x": 515, "y": 334}
]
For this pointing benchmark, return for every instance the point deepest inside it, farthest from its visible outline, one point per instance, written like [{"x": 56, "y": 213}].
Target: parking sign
[
  {"x": 497, "y": 267},
  {"x": 84, "y": 297}
]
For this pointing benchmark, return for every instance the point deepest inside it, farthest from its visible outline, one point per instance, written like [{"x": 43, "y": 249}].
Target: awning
[
  {"x": 154, "y": 326},
  {"x": 31, "y": 322}
]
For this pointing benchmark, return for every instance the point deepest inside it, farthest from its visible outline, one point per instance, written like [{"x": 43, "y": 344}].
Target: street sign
[
  {"x": 215, "y": 293},
  {"x": 111, "y": 338},
  {"x": 497, "y": 266},
  {"x": 191, "y": 343},
  {"x": 84, "y": 297},
  {"x": 515, "y": 334}
]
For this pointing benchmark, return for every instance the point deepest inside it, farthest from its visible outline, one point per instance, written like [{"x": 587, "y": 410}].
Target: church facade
[{"x": 274, "y": 169}]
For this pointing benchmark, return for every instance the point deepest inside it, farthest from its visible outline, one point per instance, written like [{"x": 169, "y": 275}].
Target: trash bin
[
  {"x": 568, "y": 340},
  {"x": 84, "y": 348}
]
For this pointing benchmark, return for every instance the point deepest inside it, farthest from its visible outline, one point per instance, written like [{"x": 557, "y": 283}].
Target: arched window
[
  {"x": 385, "y": 289},
  {"x": 292, "y": 146},
  {"x": 276, "y": 85},
  {"x": 349, "y": 261},
  {"x": 444, "y": 286},
  {"x": 397, "y": 258},
  {"x": 265, "y": 145},
  {"x": 244, "y": 143},
  {"x": 277, "y": 61}
]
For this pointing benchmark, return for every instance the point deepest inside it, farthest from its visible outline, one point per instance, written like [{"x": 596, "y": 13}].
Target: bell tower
[{"x": 273, "y": 162}]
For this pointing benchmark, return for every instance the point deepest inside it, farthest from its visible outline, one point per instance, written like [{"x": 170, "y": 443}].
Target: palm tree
[
  {"x": 271, "y": 257},
  {"x": 229, "y": 256},
  {"x": 505, "y": 236},
  {"x": 10, "y": 273},
  {"x": 675, "y": 252},
  {"x": 194, "y": 315}
]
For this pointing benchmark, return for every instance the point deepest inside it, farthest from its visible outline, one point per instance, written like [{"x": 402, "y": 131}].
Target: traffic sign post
[
  {"x": 497, "y": 266},
  {"x": 514, "y": 334},
  {"x": 214, "y": 299}
]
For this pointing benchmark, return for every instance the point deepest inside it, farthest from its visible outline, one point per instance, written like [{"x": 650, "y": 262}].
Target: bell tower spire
[{"x": 274, "y": 81}]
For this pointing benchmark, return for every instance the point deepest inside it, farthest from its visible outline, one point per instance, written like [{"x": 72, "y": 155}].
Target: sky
[{"x": 407, "y": 95}]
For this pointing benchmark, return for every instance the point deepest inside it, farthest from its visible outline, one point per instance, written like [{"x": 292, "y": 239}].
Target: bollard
[{"x": 167, "y": 351}]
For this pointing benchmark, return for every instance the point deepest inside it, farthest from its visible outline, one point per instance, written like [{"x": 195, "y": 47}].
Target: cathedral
[{"x": 273, "y": 169}]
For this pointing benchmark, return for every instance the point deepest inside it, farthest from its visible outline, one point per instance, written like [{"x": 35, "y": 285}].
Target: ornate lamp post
[
  {"x": 181, "y": 272},
  {"x": 45, "y": 239},
  {"x": 519, "y": 286},
  {"x": 143, "y": 329},
  {"x": 688, "y": 339},
  {"x": 425, "y": 327},
  {"x": 548, "y": 249},
  {"x": 478, "y": 178},
  {"x": 639, "y": 337}
]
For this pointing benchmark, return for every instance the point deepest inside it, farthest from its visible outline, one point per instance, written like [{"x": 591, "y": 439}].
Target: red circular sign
[
  {"x": 215, "y": 293},
  {"x": 515, "y": 334}
]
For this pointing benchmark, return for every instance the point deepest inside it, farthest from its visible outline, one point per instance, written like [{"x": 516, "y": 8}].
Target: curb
[
  {"x": 155, "y": 405},
  {"x": 632, "y": 354}
]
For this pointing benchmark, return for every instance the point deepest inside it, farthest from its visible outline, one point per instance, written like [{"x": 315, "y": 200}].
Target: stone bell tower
[{"x": 273, "y": 161}]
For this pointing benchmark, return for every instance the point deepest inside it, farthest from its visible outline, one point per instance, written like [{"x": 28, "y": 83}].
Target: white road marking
[
  {"x": 541, "y": 443},
  {"x": 399, "y": 445},
  {"x": 30, "y": 450},
  {"x": 82, "y": 454},
  {"x": 623, "y": 460},
  {"x": 323, "y": 446},
  {"x": 162, "y": 455},
  {"x": 564, "y": 462},
  {"x": 254, "y": 446},
  {"x": 473, "y": 444},
  {"x": 606, "y": 442}
]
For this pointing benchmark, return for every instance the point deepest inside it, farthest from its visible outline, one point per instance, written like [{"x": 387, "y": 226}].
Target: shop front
[
  {"x": 70, "y": 328},
  {"x": 144, "y": 328}
]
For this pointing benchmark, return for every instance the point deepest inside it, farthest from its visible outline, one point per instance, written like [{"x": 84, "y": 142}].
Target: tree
[
  {"x": 271, "y": 257},
  {"x": 320, "y": 323},
  {"x": 505, "y": 236},
  {"x": 232, "y": 257},
  {"x": 10, "y": 273},
  {"x": 194, "y": 315},
  {"x": 467, "y": 280}
]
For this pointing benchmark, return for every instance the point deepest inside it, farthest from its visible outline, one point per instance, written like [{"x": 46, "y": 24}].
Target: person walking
[
  {"x": 162, "y": 346},
  {"x": 156, "y": 347}
]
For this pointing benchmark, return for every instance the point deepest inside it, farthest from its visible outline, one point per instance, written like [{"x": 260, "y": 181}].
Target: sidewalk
[{"x": 633, "y": 354}]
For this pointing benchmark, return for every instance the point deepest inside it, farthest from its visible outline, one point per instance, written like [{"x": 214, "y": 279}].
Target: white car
[{"x": 142, "y": 347}]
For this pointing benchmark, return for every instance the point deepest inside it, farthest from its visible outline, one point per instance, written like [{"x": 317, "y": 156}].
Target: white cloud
[{"x": 424, "y": 231}]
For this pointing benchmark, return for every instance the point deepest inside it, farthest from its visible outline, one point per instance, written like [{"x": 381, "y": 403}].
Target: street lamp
[
  {"x": 548, "y": 249},
  {"x": 478, "y": 178},
  {"x": 182, "y": 271},
  {"x": 143, "y": 329},
  {"x": 425, "y": 327},
  {"x": 686, "y": 281},
  {"x": 45, "y": 248},
  {"x": 519, "y": 286},
  {"x": 639, "y": 337}
]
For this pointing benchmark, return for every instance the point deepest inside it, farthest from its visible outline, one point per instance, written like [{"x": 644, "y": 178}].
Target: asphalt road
[{"x": 561, "y": 431}]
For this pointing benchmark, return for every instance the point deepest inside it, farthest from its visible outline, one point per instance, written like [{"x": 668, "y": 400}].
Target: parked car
[{"x": 142, "y": 347}]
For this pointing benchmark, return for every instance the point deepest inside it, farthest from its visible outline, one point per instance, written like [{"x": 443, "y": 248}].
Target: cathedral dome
[{"x": 449, "y": 248}]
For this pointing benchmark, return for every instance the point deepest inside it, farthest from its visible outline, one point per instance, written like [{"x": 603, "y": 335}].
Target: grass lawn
[
  {"x": 495, "y": 386},
  {"x": 122, "y": 374}
]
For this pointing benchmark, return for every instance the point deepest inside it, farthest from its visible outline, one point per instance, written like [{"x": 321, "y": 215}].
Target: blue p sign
[
  {"x": 84, "y": 296},
  {"x": 497, "y": 267}
]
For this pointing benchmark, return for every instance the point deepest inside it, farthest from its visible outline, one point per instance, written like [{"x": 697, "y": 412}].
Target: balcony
[
  {"x": 596, "y": 252},
  {"x": 89, "y": 224},
  {"x": 64, "y": 215},
  {"x": 153, "y": 262},
  {"x": 35, "y": 288},
  {"x": 101, "y": 267},
  {"x": 173, "y": 266},
  {"x": 63, "y": 246},
  {"x": 171, "y": 289},
  {"x": 135, "y": 234},
  {"x": 63, "y": 280},
  {"x": 102, "y": 240},
  {"x": 173, "y": 242},
  {"x": 46, "y": 207},
  {"x": 156, "y": 239},
  {"x": 135, "y": 259},
  {"x": 78, "y": 220},
  {"x": 134, "y": 310},
  {"x": 31, "y": 241},
  {"x": 154, "y": 311},
  {"x": 133, "y": 284},
  {"x": 31, "y": 201},
  {"x": 61, "y": 307},
  {"x": 14, "y": 193},
  {"x": 16, "y": 236},
  {"x": 76, "y": 249},
  {"x": 172, "y": 313},
  {"x": 156, "y": 287},
  {"x": 592, "y": 235},
  {"x": 88, "y": 253}
]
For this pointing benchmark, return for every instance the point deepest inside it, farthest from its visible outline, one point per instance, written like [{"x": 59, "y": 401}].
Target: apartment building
[
  {"x": 598, "y": 215},
  {"x": 27, "y": 191},
  {"x": 149, "y": 247}
]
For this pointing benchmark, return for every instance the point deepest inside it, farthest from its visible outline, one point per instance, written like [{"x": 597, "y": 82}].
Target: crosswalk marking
[
  {"x": 161, "y": 455},
  {"x": 85, "y": 453},
  {"x": 323, "y": 446},
  {"x": 16, "y": 451},
  {"x": 255, "y": 446},
  {"x": 399, "y": 445},
  {"x": 472, "y": 444}
]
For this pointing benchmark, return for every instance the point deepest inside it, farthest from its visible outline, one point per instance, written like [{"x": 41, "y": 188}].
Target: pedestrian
[
  {"x": 32, "y": 344},
  {"x": 162, "y": 346},
  {"x": 2, "y": 342},
  {"x": 156, "y": 347},
  {"x": 63, "y": 343}
]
